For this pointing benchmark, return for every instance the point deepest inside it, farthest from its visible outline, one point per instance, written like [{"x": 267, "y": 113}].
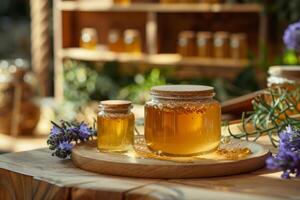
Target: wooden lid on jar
[
  {"x": 186, "y": 34},
  {"x": 115, "y": 104},
  {"x": 221, "y": 34},
  {"x": 238, "y": 36},
  {"x": 131, "y": 33},
  {"x": 287, "y": 72},
  {"x": 182, "y": 91},
  {"x": 204, "y": 34}
]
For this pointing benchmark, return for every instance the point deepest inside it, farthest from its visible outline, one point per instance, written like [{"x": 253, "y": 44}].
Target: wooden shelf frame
[
  {"x": 150, "y": 59},
  {"x": 95, "y": 5},
  {"x": 151, "y": 30}
]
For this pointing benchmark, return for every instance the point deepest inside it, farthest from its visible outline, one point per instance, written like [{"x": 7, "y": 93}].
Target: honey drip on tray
[{"x": 225, "y": 152}]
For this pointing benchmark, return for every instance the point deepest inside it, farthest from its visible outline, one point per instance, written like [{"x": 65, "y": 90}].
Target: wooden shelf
[
  {"x": 96, "y": 5},
  {"x": 157, "y": 59}
]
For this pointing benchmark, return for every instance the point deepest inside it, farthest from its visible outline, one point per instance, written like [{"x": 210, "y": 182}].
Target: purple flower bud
[
  {"x": 288, "y": 157},
  {"x": 84, "y": 131},
  {"x": 291, "y": 37},
  {"x": 66, "y": 146},
  {"x": 55, "y": 131}
]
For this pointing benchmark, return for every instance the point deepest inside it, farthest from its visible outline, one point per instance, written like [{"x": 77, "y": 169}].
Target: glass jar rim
[{"x": 182, "y": 91}]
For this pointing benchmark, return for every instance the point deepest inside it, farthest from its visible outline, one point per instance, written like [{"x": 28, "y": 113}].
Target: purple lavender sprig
[
  {"x": 63, "y": 136},
  {"x": 288, "y": 157},
  {"x": 291, "y": 37}
]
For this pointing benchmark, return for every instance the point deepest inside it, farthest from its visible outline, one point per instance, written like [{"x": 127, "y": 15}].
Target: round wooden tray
[{"x": 87, "y": 157}]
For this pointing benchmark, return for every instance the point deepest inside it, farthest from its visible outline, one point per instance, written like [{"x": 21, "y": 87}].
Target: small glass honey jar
[
  {"x": 115, "y": 126},
  {"x": 205, "y": 44},
  {"x": 221, "y": 45},
  {"x": 186, "y": 43},
  {"x": 238, "y": 46},
  {"x": 115, "y": 41},
  {"x": 182, "y": 120},
  {"x": 88, "y": 38},
  {"x": 132, "y": 41}
]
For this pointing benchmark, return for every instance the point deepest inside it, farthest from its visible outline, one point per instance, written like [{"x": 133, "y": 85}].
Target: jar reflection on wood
[
  {"x": 132, "y": 41},
  {"x": 238, "y": 46},
  {"x": 182, "y": 120},
  {"x": 205, "y": 44},
  {"x": 115, "y": 41},
  {"x": 88, "y": 38},
  {"x": 115, "y": 126},
  {"x": 186, "y": 43},
  {"x": 19, "y": 112},
  {"x": 221, "y": 45}
]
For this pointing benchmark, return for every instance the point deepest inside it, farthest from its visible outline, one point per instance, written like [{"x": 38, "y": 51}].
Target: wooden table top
[{"x": 37, "y": 175}]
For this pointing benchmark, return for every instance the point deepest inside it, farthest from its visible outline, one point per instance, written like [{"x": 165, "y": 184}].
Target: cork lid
[
  {"x": 182, "y": 91},
  {"x": 240, "y": 36},
  {"x": 221, "y": 34},
  {"x": 131, "y": 33},
  {"x": 186, "y": 34},
  {"x": 204, "y": 34},
  {"x": 288, "y": 72},
  {"x": 115, "y": 104}
]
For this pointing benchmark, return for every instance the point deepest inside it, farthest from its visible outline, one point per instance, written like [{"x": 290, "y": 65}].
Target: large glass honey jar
[
  {"x": 115, "y": 126},
  {"x": 221, "y": 45},
  {"x": 182, "y": 120}
]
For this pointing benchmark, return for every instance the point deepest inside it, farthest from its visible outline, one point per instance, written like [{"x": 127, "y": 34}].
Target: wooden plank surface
[
  {"x": 38, "y": 175},
  {"x": 41, "y": 166}
]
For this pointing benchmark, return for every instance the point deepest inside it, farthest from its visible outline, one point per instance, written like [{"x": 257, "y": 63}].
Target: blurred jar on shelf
[
  {"x": 115, "y": 41},
  {"x": 238, "y": 46},
  {"x": 221, "y": 44},
  {"x": 186, "y": 43},
  {"x": 205, "y": 44},
  {"x": 19, "y": 111},
  {"x": 122, "y": 2},
  {"x": 132, "y": 41},
  {"x": 89, "y": 38}
]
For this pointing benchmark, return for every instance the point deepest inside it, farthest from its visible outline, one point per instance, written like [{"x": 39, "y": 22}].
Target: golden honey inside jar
[
  {"x": 115, "y": 126},
  {"x": 182, "y": 120}
]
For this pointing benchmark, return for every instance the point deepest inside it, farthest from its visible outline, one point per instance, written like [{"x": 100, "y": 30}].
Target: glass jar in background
[
  {"x": 88, "y": 38},
  {"x": 115, "y": 126},
  {"x": 221, "y": 45},
  {"x": 132, "y": 41},
  {"x": 115, "y": 41},
  {"x": 182, "y": 120},
  {"x": 284, "y": 76},
  {"x": 122, "y": 2},
  {"x": 205, "y": 44},
  {"x": 287, "y": 77},
  {"x": 238, "y": 46},
  {"x": 186, "y": 43}
]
